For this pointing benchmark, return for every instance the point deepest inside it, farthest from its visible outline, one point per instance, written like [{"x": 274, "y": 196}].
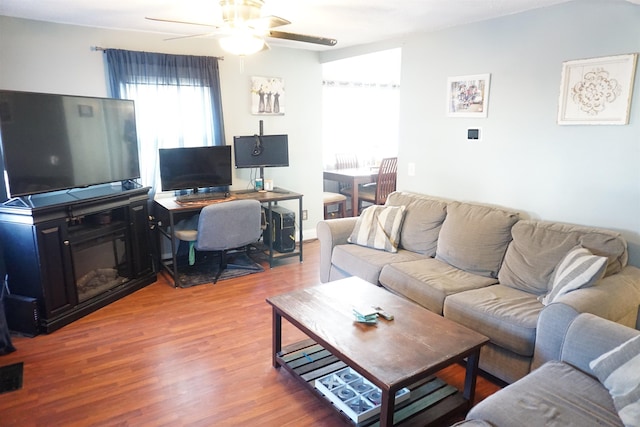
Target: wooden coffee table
[{"x": 404, "y": 352}]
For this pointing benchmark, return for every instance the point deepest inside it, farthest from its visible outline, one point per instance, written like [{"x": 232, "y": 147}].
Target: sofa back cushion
[
  {"x": 539, "y": 246},
  {"x": 422, "y": 221},
  {"x": 474, "y": 238}
]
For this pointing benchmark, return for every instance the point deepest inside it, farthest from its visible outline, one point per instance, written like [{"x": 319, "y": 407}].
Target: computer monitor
[
  {"x": 190, "y": 168},
  {"x": 261, "y": 151}
]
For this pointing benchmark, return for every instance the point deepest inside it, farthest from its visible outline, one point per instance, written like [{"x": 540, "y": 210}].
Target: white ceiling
[{"x": 351, "y": 22}]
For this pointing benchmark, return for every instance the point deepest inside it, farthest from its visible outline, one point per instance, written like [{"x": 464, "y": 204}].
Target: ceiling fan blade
[
  {"x": 190, "y": 36},
  {"x": 267, "y": 22},
  {"x": 302, "y": 38},
  {"x": 173, "y": 21}
]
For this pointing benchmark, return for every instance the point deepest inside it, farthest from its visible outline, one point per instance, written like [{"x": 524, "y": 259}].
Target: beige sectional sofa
[
  {"x": 486, "y": 268},
  {"x": 584, "y": 371}
]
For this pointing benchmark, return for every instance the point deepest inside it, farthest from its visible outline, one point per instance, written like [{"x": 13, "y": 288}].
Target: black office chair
[{"x": 223, "y": 227}]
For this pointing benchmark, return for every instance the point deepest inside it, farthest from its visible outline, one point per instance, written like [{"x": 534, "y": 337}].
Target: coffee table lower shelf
[{"x": 430, "y": 400}]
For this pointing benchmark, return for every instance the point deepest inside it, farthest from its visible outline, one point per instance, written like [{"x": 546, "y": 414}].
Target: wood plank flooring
[{"x": 181, "y": 357}]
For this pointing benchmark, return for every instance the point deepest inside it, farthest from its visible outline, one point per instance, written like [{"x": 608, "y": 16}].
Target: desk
[
  {"x": 168, "y": 212},
  {"x": 354, "y": 177}
]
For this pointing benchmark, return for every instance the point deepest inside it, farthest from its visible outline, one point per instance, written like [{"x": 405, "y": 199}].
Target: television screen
[
  {"x": 195, "y": 167},
  {"x": 57, "y": 142},
  {"x": 261, "y": 151}
]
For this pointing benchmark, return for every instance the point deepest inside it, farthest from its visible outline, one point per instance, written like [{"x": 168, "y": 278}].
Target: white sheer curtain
[{"x": 168, "y": 117}]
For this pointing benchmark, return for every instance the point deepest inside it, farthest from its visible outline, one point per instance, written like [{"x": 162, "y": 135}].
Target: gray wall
[
  {"x": 581, "y": 174},
  {"x": 45, "y": 57}
]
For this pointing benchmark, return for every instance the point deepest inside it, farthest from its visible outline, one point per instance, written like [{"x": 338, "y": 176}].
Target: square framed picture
[
  {"x": 597, "y": 91},
  {"x": 267, "y": 96},
  {"x": 468, "y": 96}
]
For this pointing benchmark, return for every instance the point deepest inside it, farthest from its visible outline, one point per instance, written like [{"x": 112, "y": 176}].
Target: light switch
[{"x": 412, "y": 169}]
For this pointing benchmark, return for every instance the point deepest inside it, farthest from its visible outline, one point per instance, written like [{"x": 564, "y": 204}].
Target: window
[{"x": 177, "y": 100}]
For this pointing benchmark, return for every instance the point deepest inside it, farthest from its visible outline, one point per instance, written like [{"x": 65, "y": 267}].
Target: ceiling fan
[{"x": 243, "y": 29}]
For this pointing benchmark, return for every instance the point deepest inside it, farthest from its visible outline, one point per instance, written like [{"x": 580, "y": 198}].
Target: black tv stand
[{"x": 77, "y": 251}]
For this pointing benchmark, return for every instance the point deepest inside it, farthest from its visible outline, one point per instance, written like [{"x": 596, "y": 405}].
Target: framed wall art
[
  {"x": 597, "y": 91},
  {"x": 267, "y": 96},
  {"x": 468, "y": 96}
]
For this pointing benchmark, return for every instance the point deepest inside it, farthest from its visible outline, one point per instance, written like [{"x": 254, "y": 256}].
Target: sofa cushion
[
  {"x": 378, "y": 227},
  {"x": 556, "y": 394},
  {"x": 619, "y": 371},
  {"x": 423, "y": 219},
  {"x": 538, "y": 246},
  {"x": 507, "y": 316},
  {"x": 474, "y": 237},
  {"x": 367, "y": 263},
  {"x": 429, "y": 281},
  {"x": 578, "y": 269}
]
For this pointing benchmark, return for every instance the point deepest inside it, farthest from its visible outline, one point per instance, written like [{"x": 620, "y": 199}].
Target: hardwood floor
[{"x": 163, "y": 356}]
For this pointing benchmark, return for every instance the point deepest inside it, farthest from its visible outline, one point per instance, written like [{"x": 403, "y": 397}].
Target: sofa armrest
[
  {"x": 589, "y": 337},
  {"x": 575, "y": 338},
  {"x": 615, "y": 297},
  {"x": 331, "y": 233},
  {"x": 551, "y": 329}
]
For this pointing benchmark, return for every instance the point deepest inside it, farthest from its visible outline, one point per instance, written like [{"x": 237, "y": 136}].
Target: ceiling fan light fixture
[
  {"x": 234, "y": 11},
  {"x": 242, "y": 44}
]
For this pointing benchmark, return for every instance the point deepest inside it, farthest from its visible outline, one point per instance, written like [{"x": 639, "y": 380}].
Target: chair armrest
[{"x": 331, "y": 233}]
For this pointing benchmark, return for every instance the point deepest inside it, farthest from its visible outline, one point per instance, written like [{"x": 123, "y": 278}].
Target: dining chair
[
  {"x": 331, "y": 198},
  {"x": 376, "y": 193},
  {"x": 223, "y": 227},
  {"x": 346, "y": 161}
]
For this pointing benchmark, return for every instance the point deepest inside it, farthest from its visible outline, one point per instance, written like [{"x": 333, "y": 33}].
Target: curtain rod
[{"x": 102, "y": 49}]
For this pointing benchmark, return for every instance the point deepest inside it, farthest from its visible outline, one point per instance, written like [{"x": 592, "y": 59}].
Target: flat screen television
[
  {"x": 261, "y": 151},
  {"x": 58, "y": 142},
  {"x": 191, "y": 168}
]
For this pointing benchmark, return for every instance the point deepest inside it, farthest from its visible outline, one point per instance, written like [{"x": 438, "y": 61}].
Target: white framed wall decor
[
  {"x": 468, "y": 96},
  {"x": 267, "y": 96},
  {"x": 597, "y": 91}
]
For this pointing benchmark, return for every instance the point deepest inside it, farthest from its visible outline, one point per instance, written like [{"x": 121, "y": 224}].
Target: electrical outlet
[{"x": 305, "y": 215}]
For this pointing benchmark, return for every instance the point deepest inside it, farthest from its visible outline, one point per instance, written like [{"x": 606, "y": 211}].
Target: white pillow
[
  {"x": 578, "y": 269},
  {"x": 619, "y": 371},
  {"x": 379, "y": 227}
]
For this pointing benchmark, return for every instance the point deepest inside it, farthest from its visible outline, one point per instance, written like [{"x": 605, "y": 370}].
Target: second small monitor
[{"x": 261, "y": 151}]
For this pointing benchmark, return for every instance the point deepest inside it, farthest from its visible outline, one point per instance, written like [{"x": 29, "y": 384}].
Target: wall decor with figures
[
  {"x": 267, "y": 96},
  {"x": 468, "y": 96}
]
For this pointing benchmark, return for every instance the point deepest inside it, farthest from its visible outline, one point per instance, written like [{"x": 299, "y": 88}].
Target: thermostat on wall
[{"x": 473, "y": 134}]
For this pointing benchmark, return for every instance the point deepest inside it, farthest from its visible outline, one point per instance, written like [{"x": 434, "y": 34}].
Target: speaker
[
  {"x": 22, "y": 314},
  {"x": 282, "y": 229}
]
